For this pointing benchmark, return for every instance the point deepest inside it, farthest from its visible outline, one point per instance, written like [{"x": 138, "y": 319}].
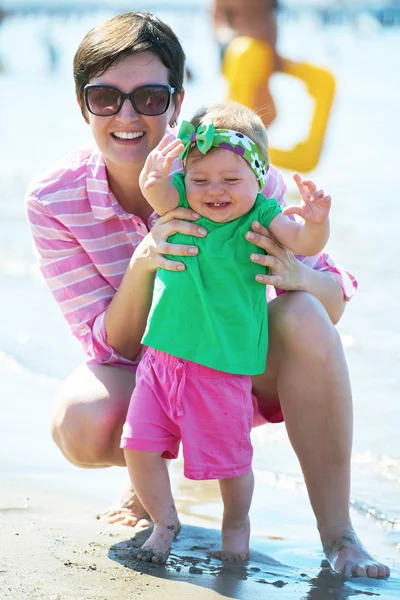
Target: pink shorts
[{"x": 210, "y": 411}]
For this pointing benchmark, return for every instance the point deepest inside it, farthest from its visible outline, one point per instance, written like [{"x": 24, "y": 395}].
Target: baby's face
[{"x": 220, "y": 185}]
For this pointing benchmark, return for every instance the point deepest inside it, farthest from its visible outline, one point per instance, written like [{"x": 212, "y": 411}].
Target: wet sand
[{"x": 53, "y": 548}]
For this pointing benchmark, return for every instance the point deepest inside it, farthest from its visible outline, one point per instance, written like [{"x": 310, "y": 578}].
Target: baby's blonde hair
[{"x": 237, "y": 117}]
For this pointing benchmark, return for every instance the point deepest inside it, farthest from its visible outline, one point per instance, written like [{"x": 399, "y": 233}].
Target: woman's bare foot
[
  {"x": 157, "y": 548},
  {"x": 128, "y": 510},
  {"x": 235, "y": 542},
  {"x": 348, "y": 556}
]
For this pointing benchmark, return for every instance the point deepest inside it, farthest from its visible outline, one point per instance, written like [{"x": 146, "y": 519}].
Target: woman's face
[{"x": 120, "y": 150}]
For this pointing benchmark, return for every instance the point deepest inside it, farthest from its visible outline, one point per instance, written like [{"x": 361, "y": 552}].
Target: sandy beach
[{"x": 56, "y": 549}]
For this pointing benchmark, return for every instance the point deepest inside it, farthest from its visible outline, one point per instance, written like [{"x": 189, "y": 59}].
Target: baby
[{"x": 207, "y": 330}]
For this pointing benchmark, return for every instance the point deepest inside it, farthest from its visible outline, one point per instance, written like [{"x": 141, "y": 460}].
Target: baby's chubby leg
[
  {"x": 237, "y": 493},
  {"x": 150, "y": 479}
]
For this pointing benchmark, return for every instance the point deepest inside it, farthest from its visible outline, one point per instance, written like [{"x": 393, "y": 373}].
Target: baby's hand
[
  {"x": 158, "y": 163},
  {"x": 314, "y": 206}
]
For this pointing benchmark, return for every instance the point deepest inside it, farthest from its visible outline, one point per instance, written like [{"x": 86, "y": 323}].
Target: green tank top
[{"x": 214, "y": 313}]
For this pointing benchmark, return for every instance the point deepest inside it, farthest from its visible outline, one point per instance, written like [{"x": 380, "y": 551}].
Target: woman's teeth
[{"x": 125, "y": 135}]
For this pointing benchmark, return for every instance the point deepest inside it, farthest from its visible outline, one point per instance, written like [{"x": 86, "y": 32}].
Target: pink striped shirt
[{"x": 85, "y": 240}]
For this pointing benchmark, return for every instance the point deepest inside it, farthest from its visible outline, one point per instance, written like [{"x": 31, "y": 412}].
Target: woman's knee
[
  {"x": 300, "y": 322},
  {"x": 87, "y": 419},
  {"x": 77, "y": 432}
]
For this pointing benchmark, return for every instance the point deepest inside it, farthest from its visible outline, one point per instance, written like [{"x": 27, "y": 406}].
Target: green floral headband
[{"x": 206, "y": 137}]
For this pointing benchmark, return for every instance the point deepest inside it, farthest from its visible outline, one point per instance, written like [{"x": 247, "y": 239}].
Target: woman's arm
[
  {"x": 108, "y": 324},
  {"x": 126, "y": 315},
  {"x": 321, "y": 277},
  {"x": 290, "y": 274}
]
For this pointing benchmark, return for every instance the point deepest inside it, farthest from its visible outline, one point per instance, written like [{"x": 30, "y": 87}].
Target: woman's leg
[
  {"x": 88, "y": 414},
  {"x": 307, "y": 372},
  {"x": 150, "y": 479},
  {"x": 236, "y": 493}
]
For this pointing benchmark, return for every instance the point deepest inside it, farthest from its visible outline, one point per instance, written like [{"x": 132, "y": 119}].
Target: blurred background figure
[
  {"x": 254, "y": 19},
  {"x": 246, "y": 31},
  {"x": 52, "y": 51}
]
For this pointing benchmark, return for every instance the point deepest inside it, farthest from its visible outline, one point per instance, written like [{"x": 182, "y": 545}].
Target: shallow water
[{"x": 358, "y": 167}]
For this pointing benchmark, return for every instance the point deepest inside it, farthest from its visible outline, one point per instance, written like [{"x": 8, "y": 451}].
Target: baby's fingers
[
  {"x": 172, "y": 151},
  {"x": 164, "y": 141},
  {"x": 291, "y": 210},
  {"x": 151, "y": 182},
  {"x": 174, "y": 147},
  {"x": 320, "y": 198},
  {"x": 307, "y": 187},
  {"x": 310, "y": 185},
  {"x": 152, "y": 179},
  {"x": 300, "y": 183}
]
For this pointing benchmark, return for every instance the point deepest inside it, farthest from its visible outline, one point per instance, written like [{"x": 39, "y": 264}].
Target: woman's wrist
[
  {"x": 142, "y": 262},
  {"x": 126, "y": 315},
  {"x": 324, "y": 287},
  {"x": 303, "y": 278}
]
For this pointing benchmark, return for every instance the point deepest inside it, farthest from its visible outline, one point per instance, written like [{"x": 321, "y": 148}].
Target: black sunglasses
[{"x": 106, "y": 100}]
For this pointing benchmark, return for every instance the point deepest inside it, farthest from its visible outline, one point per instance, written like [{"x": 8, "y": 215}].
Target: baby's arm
[
  {"x": 154, "y": 177},
  {"x": 308, "y": 238}
]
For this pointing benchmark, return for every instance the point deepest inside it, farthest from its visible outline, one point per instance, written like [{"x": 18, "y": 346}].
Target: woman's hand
[
  {"x": 151, "y": 250},
  {"x": 285, "y": 271},
  {"x": 288, "y": 273}
]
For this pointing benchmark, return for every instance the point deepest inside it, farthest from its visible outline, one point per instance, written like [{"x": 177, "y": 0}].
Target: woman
[{"x": 91, "y": 227}]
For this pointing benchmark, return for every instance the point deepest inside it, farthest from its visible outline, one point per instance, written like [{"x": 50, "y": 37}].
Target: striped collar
[{"x": 102, "y": 200}]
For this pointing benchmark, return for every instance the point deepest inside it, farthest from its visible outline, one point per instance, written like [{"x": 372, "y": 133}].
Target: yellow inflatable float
[{"x": 247, "y": 66}]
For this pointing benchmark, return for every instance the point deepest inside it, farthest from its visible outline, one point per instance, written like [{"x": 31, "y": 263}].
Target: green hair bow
[
  {"x": 206, "y": 137},
  {"x": 202, "y": 137}
]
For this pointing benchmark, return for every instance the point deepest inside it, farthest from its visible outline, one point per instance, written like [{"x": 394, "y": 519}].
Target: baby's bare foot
[
  {"x": 348, "y": 556},
  {"x": 128, "y": 510},
  {"x": 230, "y": 556},
  {"x": 235, "y": 542},
  {"x": 157, "y": 548}
]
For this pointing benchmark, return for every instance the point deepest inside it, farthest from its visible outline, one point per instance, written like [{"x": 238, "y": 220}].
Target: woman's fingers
[
  {"x": 185, "y": 227},
  {"x": 176, "y": 221},
  {"x": 266, "y": 260},
  {"x": 170, "y": 265},
  {"x": 178, "y": 213},
  {"x": 179, "y": 221},
  {"x": 264, "y": 240},
  {"x": 177, "y": 249},
  {"x": 275, "y": 280}
]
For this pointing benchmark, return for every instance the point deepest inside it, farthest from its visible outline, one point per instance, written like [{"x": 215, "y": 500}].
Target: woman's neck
[{"x": 124, "y": 183}]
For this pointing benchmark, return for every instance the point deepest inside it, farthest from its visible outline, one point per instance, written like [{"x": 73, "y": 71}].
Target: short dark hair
[{"x": 112, "y": 41}]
